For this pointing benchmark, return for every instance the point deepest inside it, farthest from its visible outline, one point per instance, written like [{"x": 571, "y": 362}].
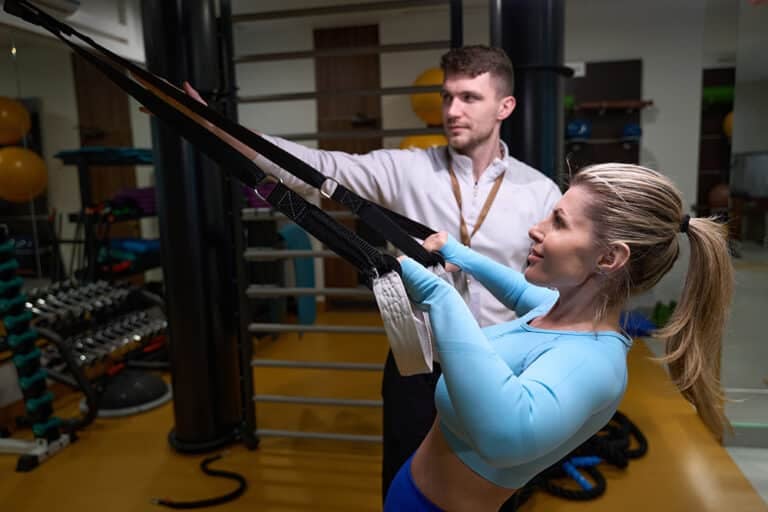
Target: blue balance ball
[{"x": 578, "y": 129}]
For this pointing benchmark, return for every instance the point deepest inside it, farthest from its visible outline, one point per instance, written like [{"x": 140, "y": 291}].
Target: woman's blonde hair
[{"x": 643, "y": 209}]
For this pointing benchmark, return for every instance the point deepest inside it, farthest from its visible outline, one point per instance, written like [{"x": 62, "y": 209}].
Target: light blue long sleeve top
[{"x": 514, "y": 399}]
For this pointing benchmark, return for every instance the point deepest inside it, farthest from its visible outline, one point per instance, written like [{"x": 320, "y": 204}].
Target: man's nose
[{"x": 452, "y": 108}]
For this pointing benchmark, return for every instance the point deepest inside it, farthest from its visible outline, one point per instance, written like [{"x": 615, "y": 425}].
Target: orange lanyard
[{"x": 466, "y": 237}]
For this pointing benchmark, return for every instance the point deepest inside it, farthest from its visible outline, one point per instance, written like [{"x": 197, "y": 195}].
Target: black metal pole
[
  {"x": 532, "y": 36},
  {"x": 494, "y": 13},
  {"x": 180, "y": 41},
  {"x": 457, "y": 24},
  {"x": 235, "y": 203},
  {"x": 86, "y": 217}
]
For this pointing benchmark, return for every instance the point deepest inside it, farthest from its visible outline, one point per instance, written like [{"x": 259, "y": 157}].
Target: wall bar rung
[
  {"x": 334, "y": 9},
  {"x": 344, "y": 52},
  {"x": 253, "y": 214},
  {"x": 317, "y": 435},
  {"x": 315, "y": 365},
  {"x": 384, "y": 91},
  {"x": 347, "y": 329},
  {"x": 346, "y": 402},
  {"x": 253, "y": 254},
  {"x": 255, "y": 291},
  {"x": 362, "y": 134}
]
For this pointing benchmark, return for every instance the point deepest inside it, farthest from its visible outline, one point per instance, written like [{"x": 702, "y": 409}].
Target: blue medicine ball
[
  {"x": 631, "y": 131},
  {"x": 578, "y": 129}
]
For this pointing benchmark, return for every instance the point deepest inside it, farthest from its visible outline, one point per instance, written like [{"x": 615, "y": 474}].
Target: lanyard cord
[{"x": 466, "y": 237}]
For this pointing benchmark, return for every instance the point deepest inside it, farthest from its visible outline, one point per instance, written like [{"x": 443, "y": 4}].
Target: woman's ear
[{"x": 614, "y": 258}]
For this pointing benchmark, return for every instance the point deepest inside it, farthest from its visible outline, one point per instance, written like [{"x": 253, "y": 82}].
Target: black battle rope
[
  {"x": 209, "y": 502},
  {"x": 390, "y": 225},
  {"x": 613, "y": 444}
]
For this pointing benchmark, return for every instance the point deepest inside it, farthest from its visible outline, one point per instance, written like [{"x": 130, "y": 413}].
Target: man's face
[{"x": 472, "y": 110}]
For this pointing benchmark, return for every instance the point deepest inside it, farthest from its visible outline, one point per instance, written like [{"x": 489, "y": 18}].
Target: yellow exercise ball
[
  {"x": 14, "y": 121},
  {"x": 728, "y": 124},
  {"x": 22, "y": 174},
  {"x": 429, "y": 105},
  {"x": 423, "y": 141}
]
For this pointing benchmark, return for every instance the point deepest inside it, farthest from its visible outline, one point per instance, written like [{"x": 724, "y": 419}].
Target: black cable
[
  {"x": 612, "y": 444},
  {"x": 91, "y": 396},
  {"x": 209, "y": 502}
]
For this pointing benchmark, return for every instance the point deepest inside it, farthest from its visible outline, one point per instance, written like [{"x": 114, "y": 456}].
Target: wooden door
[
  {"x": 347, "y": 113},
  {"x": 104, "y": 120}
]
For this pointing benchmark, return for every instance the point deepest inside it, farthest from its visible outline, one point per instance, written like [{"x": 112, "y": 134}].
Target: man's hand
[
  {"x": 192, "y": 93},
  {"x": 434, "y": 243}
]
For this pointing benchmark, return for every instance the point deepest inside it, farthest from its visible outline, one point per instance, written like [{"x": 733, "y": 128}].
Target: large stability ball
[
  {"x": 428, "y": 105},
  {"x": 22, "y": 174},
  {"x": 14, "y": 121},
  {"x": 423, "y": 141}
]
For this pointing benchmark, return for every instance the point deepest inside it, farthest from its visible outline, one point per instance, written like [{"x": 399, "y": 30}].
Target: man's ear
[
  {"x": 506, "y": 107},
  {"x": 614, "y": 258}
]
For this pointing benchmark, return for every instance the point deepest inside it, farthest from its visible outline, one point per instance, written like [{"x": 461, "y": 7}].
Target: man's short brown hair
[{"x": 475, "y": 60}]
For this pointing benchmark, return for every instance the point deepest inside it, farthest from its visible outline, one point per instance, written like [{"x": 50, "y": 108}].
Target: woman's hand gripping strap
[{"x": 407, "y": 327}]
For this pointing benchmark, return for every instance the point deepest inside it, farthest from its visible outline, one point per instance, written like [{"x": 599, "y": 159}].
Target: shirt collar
[{"x": 462, "y": 164}]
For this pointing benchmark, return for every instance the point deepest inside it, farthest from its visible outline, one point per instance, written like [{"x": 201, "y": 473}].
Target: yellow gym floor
[{"x": 119, "y": 465}]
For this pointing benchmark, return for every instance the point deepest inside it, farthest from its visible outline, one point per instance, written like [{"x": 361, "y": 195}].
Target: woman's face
[{"x": 564, "y": 253}]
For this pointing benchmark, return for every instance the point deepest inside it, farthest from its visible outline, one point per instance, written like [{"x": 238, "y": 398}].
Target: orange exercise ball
[
  {"x": 429, "y": 105},
  {"x": 22, "y": 174},
  {"x": 423, "y": 141},
  {"x": 728, "y": 124},
  {"x": 14, "y": 121}
]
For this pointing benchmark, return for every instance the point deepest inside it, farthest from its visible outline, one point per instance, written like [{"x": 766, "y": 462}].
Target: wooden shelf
[{"x": 613, "y": 105}]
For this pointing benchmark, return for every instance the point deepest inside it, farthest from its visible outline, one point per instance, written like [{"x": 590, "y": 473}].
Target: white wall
[
  {"x": 114, "y": 24},
  {"x": 721, "y": 24}
]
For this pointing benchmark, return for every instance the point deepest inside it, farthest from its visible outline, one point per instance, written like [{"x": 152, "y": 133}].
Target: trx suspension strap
[
  {"x": 408, "y": 333},
  {"x": 391, "y": 226}
]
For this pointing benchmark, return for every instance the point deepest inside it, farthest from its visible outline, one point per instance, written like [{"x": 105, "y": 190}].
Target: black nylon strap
[
  {"x": 343, "y": 242},
  {"x": 389, "y": 224}
]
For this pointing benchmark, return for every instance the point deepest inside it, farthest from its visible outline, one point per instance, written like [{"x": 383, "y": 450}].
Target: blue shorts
[{"x": 403, "y": 495}]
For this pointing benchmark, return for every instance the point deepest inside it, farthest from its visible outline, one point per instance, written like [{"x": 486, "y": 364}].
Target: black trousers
[{"x": 409, "y": 411}]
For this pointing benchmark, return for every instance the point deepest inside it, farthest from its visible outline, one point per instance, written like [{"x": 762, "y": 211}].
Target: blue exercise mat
[{"x": 304, "y": 269}]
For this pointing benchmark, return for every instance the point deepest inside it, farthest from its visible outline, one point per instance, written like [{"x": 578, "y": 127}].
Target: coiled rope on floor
[{"x": 615, "y": 444}]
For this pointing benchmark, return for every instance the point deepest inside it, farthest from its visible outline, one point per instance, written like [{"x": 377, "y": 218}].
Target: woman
[{"x": 517, "y": 397}]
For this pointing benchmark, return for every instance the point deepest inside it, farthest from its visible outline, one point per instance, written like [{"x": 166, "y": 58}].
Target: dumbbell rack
[
  {"x": 98, "y": 328},
  {"x": 92, "y": 330},
  {"x": 22, "y": 339}
]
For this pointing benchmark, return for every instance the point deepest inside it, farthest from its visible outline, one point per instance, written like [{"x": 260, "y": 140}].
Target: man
[{"x": 473, "y": 189}]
